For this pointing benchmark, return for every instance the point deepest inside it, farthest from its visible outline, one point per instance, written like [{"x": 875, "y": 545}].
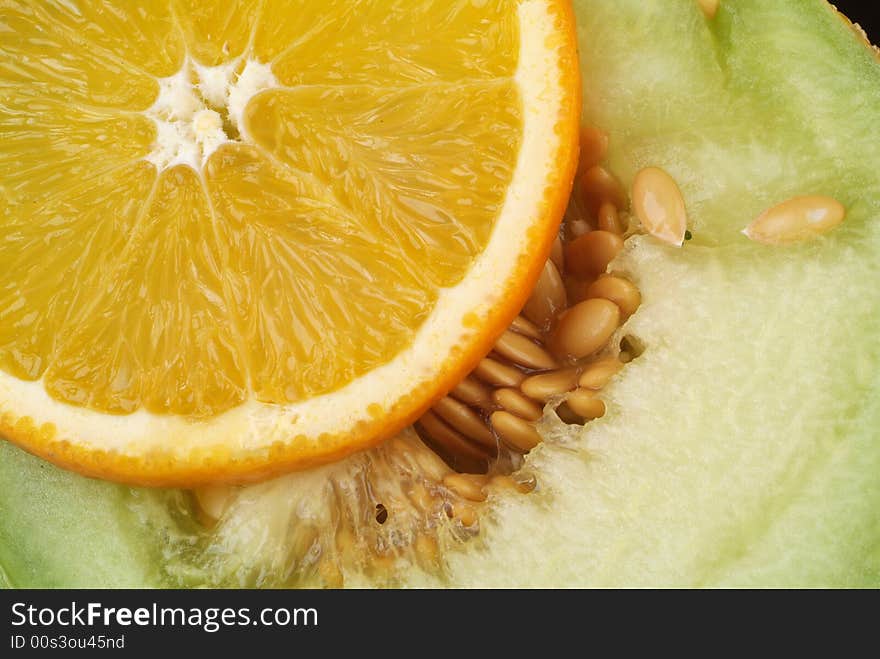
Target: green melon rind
[{"x": 58, "y": 529}]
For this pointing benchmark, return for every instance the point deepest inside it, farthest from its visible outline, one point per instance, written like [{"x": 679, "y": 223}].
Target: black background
[
  {"x": 863, "y": 12},
  {"x": 455, "y": 623}
]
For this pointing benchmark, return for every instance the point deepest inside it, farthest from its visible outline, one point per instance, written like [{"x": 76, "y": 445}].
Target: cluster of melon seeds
[{"x": 559, "y": 352}]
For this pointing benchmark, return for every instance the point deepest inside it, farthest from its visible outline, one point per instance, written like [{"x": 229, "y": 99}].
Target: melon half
[{"x": 742, "y": 448}]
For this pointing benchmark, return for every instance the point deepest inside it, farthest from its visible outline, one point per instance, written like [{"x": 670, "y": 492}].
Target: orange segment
[
  {"x": 49, "y": 148},
  {"x": 218, "y": 31},
  {"x": 57, "y": 254},
  {"x": 425, "y": 169},
  {"x": 252, "y": 236},
  {"x": 45, "y": 53},
  {"x": 142, "y": 35},
  {"x": 382, "y": 43},
  {"x": 162, "y": 338},
  {"x": 319, "y": 298}
]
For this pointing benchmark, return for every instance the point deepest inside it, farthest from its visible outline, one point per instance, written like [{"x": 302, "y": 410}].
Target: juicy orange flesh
[{"x": 294, "y": 261}]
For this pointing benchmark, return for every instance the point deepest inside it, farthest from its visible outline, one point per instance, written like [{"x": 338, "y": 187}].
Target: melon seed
[
  {"x": 599, "y": 186},
  {"x": 585, "y": 328},
  {"x": 796, "y": 219},
  {"x": 620, "y": 291},
  {"x": 526, "y": 328},
  {"x": 659, "y": 205},
  {"x": 526, "y": 483},
  {"x": 599, "y": 373},
  {"x": 594, "y": 147},
  {"x": 502, "y": 482},
  {"x": 576, "y": 288},
  {"x": 516, "y": 403},
  {"x": 547, "y": 299},
  {"x": 584, "y": 403},
  {"x": 495, "y": 373},
  {"x": 577, "y": 227},
  {"x": 473, "y": 393},
  {"x": 466, "y": 486},
  {"x": 213, "y": 500},
  {"x": 609, "y": 219},
  {"x": 556, "y": 254},
  {"x": 510, "y": 484},
  {"x": 465, "y": 514},
  {"x": 544, "y": 386},
  {"x": 464, "y": 420},
  {"x": 589, "y": 255},
  {"x": 518, "y": 434},
  {"x": 524, "y": 352},
  {"x": 452, "y": 441}
]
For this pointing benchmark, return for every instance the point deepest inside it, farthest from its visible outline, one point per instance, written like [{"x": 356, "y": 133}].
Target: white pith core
[
  {"x": 254, "y": 425},
  {"x": 193, "y": 104}
]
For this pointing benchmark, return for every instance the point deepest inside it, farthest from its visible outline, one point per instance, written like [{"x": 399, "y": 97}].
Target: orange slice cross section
[{"x": 241, "y": 238}]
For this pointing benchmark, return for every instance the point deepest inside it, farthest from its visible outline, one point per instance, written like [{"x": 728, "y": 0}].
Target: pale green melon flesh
[{"x": 742, "y": 448}]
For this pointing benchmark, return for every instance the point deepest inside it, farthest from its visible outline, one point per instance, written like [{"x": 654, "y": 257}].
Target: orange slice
[{"x": 241, "y": 238}]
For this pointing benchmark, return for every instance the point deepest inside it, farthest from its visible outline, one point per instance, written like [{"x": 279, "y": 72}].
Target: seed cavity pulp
[{"x": 200, "y": 108}]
